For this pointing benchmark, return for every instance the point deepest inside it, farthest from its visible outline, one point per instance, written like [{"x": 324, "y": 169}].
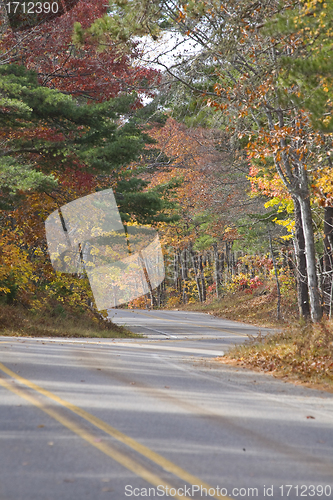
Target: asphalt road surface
[{"x": 157, "y": 417}]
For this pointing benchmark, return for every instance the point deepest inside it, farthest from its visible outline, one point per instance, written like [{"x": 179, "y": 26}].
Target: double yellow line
[{"x": 120, "y": 457}]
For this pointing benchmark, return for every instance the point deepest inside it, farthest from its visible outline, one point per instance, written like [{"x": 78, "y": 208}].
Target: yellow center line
[
  {"x": 107, "y": 449},
  {"x": 195, "y": 324},
  {"x": 111, "y": 431}
]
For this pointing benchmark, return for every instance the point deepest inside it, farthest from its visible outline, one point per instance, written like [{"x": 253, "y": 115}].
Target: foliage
[
  {"x": 300, "y": 352},
  {"x": 258, "y": 90},
  {"x": 309, "y": 75},
  {"x": 56, "y": 321},
  {"x": 78, "y": 69},
  {"x": 147, "y": 206},
  {"x": 244, "y": 282},
  {"x": 258, "y": 308},
  {"x": 81, "y": 147},
  {"x": 203, "y": 201},
  {"x": 55, "y": 129}
]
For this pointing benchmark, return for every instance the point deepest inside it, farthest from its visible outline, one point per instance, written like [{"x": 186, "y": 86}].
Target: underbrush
[
  {"x": 58, "y": 321},
  {"x": 300, "y": 352},
  {"x": 259, "y": 307}
]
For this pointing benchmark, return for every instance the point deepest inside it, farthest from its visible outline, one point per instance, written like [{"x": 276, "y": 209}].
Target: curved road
[{"x": 157, "y": 417}]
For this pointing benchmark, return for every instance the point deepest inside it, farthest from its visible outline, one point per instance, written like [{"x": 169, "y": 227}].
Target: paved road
[
  {"x": 185, "y": 326},
  {"x": 117, "y": 419}
]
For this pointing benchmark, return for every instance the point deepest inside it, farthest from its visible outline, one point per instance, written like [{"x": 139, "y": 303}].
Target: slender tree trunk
[
  {"x": 179, "y": 275},
  {"x": 301, "y": 274},
  {"x": 228, "y": 261},
  {"x": 163, "y": 292},
  {"x": 175, "y": 269},
  {"x": 158, "y": 295},
  {"x": 202, "y": 279},
  {"x": 177, "y": 280},
  {"x": 222, "y": 265},
  {"x": 328, "y": 260},
  {"x": 315, "y": 303},
  {"x": 278, "y": 307},
  {"x": 233, "y": 263},
  {"x": 196, "y": 272},
  {"x": 216, "y": 270},
  {"x": 183, "y": 260},
  {"x": 146, "y": 275}
]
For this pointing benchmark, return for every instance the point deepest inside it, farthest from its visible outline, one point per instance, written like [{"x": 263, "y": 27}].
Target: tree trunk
[
  {"x": 196, "y": 273},
  {"x": 184, "y": 276},
  {"x": 146, "y": 275},
  {"x": 328, "y": 260},
  {"x": 158, "y": 295},
  {"x": 301, "y": 274},
  {"x": 315, "y": 303},
  {"x": 216, "y": 270},
  {"x": 222, "y": 265},
  {"x": 175, "y": 269},
  {"x": 278, "y": 307},
  {"x": 233, "y": 263},
  {"x": 202, "y": 279},
  {"x": 228, "y": 261}
]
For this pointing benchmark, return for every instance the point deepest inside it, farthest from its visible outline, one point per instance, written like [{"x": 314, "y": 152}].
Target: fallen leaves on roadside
[{"x": 302, "y": 352}]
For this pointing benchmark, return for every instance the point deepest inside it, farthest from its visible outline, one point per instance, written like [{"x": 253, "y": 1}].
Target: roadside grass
[
  {"x": 297, "y": 351},
  {"x": 21, "y": 322},
  {"x": 301, "y": 352}
]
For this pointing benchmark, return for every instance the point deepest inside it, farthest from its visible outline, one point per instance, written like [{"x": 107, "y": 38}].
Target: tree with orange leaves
[{"x": 206, "y": 206}]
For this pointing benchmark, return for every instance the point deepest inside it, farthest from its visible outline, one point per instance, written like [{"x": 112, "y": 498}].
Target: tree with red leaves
[{"x": 80, "y": 69}]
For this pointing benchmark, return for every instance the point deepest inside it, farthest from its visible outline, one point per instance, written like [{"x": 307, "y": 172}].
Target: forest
[{"x": 211, "y": 120}]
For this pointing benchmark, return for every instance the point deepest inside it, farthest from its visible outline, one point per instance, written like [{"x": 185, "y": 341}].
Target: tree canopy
[{"x": 259, "y": 78}]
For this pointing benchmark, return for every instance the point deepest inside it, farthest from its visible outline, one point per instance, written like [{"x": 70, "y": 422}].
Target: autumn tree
[
  {"x": 64, "y": 150},
  {"x": 247, "y": 62},
  {"x": 79, "y": 68},
  {"x": 309, "y": 75},
  {"x": 86, "y": 146},
  {"x": 199, "y": 243},
  {"x": 45, "y": 126},
  {"x": 82, "y": 70}
]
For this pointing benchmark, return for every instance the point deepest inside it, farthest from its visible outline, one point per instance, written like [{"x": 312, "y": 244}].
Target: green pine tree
[{"x": 44, "y": 127}]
